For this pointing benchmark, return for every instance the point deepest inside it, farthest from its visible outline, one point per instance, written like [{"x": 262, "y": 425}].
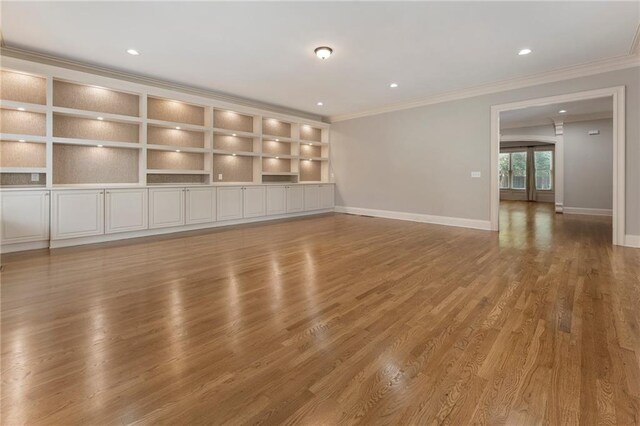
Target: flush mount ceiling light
[
  {"x": 562, "y": 111},
  {"x": 323, "y": 52},
  {"x": 393, "y": 85},
  {"x": 133, "y": 52},
  {"x": 524, "y": 51},
  {"x": 319, "y": 103}
]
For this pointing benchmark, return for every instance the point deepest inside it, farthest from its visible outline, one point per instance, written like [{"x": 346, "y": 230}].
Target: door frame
[{"x": 619, "y": 139}]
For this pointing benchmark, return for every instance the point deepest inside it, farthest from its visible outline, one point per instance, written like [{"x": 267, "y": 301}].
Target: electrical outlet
[
  {"x": 475, "y": 174},
  {"x": 219, "y": 176},
  {"x": 35, "y": 177}
]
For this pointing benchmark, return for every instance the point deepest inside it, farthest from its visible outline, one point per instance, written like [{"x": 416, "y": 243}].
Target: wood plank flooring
[{"x": 334, "y": 319}]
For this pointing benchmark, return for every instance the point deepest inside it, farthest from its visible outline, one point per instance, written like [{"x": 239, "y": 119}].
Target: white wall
[
  {"x": 419, "y": 160},
  {"x": 588, "y": 165}
]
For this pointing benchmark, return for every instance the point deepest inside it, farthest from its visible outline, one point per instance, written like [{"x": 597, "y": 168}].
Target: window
[
  {"x": 544, "y": 170},
  {"x": 518, "y": 170},
  {"x": 505, "y": 167}
]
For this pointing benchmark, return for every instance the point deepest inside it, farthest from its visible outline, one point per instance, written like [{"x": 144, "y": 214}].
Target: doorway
[{"x": 501, "y": 176}]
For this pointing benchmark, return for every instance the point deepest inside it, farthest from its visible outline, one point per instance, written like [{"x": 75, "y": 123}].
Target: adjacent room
[{"x": 320, "y": 213}]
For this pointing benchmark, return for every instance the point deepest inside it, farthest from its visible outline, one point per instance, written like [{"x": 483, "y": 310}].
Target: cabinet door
[
  {"x": 24, "y": 216},
  {"x": 254, "y": 201},
  {"x": 326, "y": 197},
  {"x": 125, "y": 210},
  {"x": 230, "y": 203},
  {"x": 311, "y": 197},
  {"x": 166, "y": 207},
  {"x": 77, "y": 213},
  {"x": 295, "y": 198},
  {"x": 276, "y": 200},
  {"x": 201, "y": 205}
]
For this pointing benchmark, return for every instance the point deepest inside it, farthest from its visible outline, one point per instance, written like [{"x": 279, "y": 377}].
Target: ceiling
[
  {"x": 575, "y": 111},
  {"x": 264, "y": 50}
]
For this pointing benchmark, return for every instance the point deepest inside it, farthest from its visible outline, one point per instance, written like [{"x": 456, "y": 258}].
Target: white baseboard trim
[
  {"x": 417, "y": 217},
  {"x": 632, "y": 241},
  {"x": 10, "y": 248},
  {"x": 592, "y": 212}
]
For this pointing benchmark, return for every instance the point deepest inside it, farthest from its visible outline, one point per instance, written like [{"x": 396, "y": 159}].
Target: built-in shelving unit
[{"x": 64, "y": 130}]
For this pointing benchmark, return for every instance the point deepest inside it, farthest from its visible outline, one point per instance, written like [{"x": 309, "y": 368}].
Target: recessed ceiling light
[
  {"x": 393, "y": 85},
  {"x": 320, "y": 104},
  {"x": 233, "y": 134},
  {"x": 21, "y": 109},
  {"x": 233, "y": 155},
  {"x": 310, "y": 159},
  {"x": 310, "y": 144},
  {"x": 323, "y": 52},
  {"x": 277, "y": 158},
  {"x": 21, "y": 140},
  {"x": 178, "y": 127},
  {"x": 100, "y": 146},
  {"x": 100, "y": 118},
  {"x": 562, "y": 111},
  {"x": 277, "y": 140},
  {"x": 524, "y": 51},
  {"x": 177, "y": 150},
  {"x": 133, "y": 52}
]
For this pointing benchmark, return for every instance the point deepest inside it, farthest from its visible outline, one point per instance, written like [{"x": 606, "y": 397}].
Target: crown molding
[
  {"x": 42, "y": 58},
  {"x": 566, "y": 73}
]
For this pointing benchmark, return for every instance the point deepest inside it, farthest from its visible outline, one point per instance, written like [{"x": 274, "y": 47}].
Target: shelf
[
  {"x": 238, "y": 153},
  {"x": 276, "y": 128},
  {"x": 176, "y": 172},
  {"x": 311, "y": 134},
  {"x": 273, "y": 138},
  {"x": 19, "y": 137},
  {"x": 180, "y": 148},
  {"x": 313, "y": 159},
  {"x": 225, "y": 120},
  {"x": 23, "y": 170},
  {"x": 95, "y": 100},
  {"x": 235, "y": 133},
  {"x": 95, "y": 142},
  {"x": 280, "y": 173},
  {"x": 22, "y": 155},
  {"x": 280, "y": 156},
  {"x": 109, "y": 117},
  {"x": 28, "y": 107},
  {"x": 175, "y": 124}
]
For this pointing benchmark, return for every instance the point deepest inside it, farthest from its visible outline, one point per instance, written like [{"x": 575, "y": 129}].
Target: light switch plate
[
  {"x": 219, "y": 176},
  {"x": 475, "y": 174}
]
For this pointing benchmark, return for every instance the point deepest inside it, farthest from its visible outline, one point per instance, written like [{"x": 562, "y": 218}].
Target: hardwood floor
[{"x": 335, "y": 319}]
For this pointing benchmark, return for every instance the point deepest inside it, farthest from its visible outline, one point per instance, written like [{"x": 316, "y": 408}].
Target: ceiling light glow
[
  {"x": 21, "y": 140},
  {"x": 393, "y": 85},
  {"x": 133, "y": 52},
  {"x": 323, "y": 52},
  {"x": 320, "y": 103},
  {"x": 21, "y": 109},
  {"x": 100, "y": 118},
  {"x": 524, "y": 51},
  {"x": 562, "y": 111}
]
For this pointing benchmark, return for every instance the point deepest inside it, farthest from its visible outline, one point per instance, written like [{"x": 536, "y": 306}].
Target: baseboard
[
  {"x": 416, "y": 217},
  {"x": 632, "y": 241},
  {"x": 592, "y": 212},
  {"x": 10, "y": 248}
]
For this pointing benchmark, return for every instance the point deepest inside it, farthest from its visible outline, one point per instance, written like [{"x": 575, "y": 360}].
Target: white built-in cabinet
[
  {"x": 230, "y": 203},
  {"x": 276, "y": 200},
  {"x": 327, "y": 197},
  {"x": 200, "y": 205},
  {"x": 311, "y": 197},
  {"x": 77, "y": 213},
  {"x": 166, "y": 207},
  {"x": 24, "y": 216},
  {"x": 125, "y": 210},
  {"x": 253, "y": 198},
  {"x": 295, "y": 199}
]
